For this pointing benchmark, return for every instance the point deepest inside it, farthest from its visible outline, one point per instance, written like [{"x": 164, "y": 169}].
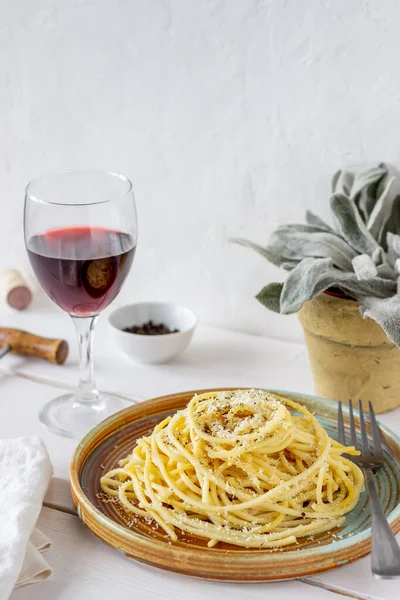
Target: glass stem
[{"x": 87, "y": 393}]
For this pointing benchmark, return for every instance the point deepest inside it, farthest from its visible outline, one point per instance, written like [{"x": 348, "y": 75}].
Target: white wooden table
[{"x": 84, "y": 567}]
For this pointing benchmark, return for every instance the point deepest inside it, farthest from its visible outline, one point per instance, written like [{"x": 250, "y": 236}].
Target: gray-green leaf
[
  {"x": 301, "y": 227},
  {"x": 364, "y": 267},
  {"x": 386, "y": 271},
  {"x": 343, "y": 183},
  {"x": 289, "y": 264},
  {"x": 367, "y": 189},
  {"x": 304, "y": 283},
  {"x": 393, "y": 244},
  {"x": 315, "y": 221},
  {"x": 335, "y": 179},
  {"x": 364, "y": 179},
  {"x": 376, "y": 218},
  {"x": 351, "y": 225},
  {"x": 273, "y": 258},
  {"x": 392, "y": 224},
  {"x": 313, "y": 276},
  {"x": 270, "y": 296},
  {"x": 295, "y": 243},
  {"x": 386, "y": 312}
]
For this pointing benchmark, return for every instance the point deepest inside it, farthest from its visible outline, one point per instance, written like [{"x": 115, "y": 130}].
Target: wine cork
[{"x": 15, "y": 290}]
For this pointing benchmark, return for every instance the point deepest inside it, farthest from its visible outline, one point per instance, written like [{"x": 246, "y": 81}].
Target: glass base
[{"x": 69, "y": 417}]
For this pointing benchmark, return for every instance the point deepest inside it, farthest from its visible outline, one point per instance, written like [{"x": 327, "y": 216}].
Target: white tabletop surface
[{"x": 83, "y": 567}]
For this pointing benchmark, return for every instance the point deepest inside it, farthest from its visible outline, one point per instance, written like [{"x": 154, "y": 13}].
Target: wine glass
[{"x": 80, "y": 233}]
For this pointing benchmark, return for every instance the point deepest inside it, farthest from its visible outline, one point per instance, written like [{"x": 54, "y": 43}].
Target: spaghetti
[{"x": 245, "y": 467}]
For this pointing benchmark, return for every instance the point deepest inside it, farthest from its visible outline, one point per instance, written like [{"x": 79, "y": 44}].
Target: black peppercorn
[{"x": 150, "y": 328}]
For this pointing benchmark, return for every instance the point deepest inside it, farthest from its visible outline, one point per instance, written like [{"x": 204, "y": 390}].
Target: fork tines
[{"x": 376, "y": 438}]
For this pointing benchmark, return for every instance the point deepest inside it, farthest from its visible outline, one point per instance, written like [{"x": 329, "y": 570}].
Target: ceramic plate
[{"x": 115, "y": 437}]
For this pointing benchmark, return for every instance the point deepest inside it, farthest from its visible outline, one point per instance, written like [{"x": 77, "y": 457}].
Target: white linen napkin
[
  {"x": 25, "y": 473},
  {"x": 34, "y": 567}
]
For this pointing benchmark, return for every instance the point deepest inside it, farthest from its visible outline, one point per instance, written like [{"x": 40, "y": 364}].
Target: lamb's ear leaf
[
  {"x": 313, "y": 276},
  {"x": 289, "y": 265},
  {"x": 304, "y": 283},
  {"x": 342, "y": 182},
  {"x": 382, "y": 182},
  {"x": 296, "y": 243},
  {"x": 378, "y": 287},
  {"x": 271, "y": 256},
  {"x": 303, "y": 227},
  {"x": 366, "y": 189},
  {"x": 364, "y": 267},
  {"x": 270, "y": 295},
  {"x": 393, "y": 244},
  {"x": 347, "y": 182},
  {"x": 392, "y": 224},
  {"x": 315, "y": 221},
  {"x": 386, "y": 312},
  {"x": 335, "y": 180},
  {"x": 376, "y": 218},
  {"x": 351, "y": 225},
  {"x": 364, "y": 179},
  {"x": 386, "y": 271}
]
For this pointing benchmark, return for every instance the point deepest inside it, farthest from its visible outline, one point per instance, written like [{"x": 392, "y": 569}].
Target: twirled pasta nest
[{"x": 245, "y": 467}]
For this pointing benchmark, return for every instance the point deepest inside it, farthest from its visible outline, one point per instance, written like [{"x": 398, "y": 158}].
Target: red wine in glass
[
  {"x": 80, "y": 231},
  {"x": 81, "y": 268}
]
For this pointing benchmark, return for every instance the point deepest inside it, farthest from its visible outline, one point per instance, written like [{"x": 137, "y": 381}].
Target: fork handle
[{"x": 385, "y": 556}]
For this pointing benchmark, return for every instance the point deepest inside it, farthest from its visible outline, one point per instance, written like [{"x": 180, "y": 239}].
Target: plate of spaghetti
[{"x": 233, "y": 484}]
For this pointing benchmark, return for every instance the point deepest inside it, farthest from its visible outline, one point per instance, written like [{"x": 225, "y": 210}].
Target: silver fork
[{"x": 385, "y": 554}]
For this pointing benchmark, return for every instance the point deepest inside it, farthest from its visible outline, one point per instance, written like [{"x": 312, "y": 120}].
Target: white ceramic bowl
[{"x": 152, "y": 349}]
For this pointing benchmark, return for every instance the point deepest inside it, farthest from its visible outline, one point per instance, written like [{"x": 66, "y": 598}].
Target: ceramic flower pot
[{"x": 351, "y": 357}]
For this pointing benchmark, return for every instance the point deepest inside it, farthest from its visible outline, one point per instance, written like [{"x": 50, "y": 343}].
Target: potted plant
[{"x": 343, "y": 283}]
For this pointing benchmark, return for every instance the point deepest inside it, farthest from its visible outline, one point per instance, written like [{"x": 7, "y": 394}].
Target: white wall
[{"x": 229, "y": 116}]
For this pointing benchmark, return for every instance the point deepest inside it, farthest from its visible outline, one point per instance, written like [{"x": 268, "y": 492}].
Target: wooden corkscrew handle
[{"x": 29, "y": 344}]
